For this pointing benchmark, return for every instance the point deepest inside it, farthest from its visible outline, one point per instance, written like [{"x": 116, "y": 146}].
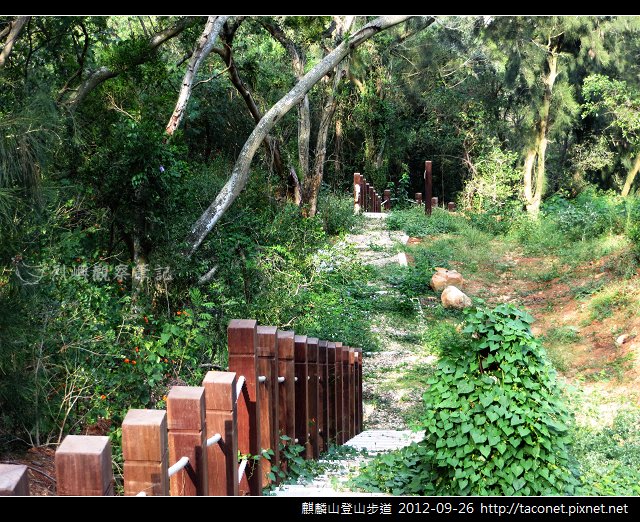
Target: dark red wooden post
[
  {"x": 419, "y": 198},
  {"x": 186, "y": 421},
  {"x": 345, "y": 394},
  {"x": 387, "y": 199},
  {"x": 313, "y": 394},
  {"x": 427, "y": 188},
  {"x": 339, "y": 397},
  {"x": 451, "y": 206},
  {"x": 359, "y": 404},
  {"x": 14, "y": 480},
  {"x": 367, "y": 197},
  {"x": 331, "y": 391},
  {"x": 268, "y": 391},
  {"x": 242, "y": 340},
  {"x": 302, "y": 414},
  {"x": 145, "y": 453},
  {"x": 222, "y": 418},
  {"x": 323, "y": 384},
  {"x": 352, "y": 392},
  {"x": 286, "y": 389},
  {"x": 83, "y": 466}
]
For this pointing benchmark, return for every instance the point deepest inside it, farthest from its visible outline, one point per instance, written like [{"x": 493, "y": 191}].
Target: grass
[{"x": 606, "y": 302}]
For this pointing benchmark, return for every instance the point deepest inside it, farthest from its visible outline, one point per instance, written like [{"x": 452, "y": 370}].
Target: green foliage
[
  {"x": 633, "y": 224},
  {"x": 494, "y": 419},
  {"x": 414, "y": 222},
  {"x": 609, "y": 457},
  {"x": 336, "y": 213}
]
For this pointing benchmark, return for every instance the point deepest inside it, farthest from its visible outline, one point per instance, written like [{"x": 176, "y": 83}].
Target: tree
[
  {"x": 616, "y": 106},
  {"x": 240, "y": 173}
]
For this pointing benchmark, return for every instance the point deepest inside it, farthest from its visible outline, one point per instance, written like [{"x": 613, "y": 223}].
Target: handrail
[
  {"x": 239, "y": 386},
  {"x": 241, "y": 468},
  {"x": 214, "y": 439},
  {"x": 180, "y": 465}
]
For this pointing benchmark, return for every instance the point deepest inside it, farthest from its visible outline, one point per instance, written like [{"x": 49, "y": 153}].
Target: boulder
[
  {"x": 443, "y": 278},
  {"x": 453, "y": 297}
]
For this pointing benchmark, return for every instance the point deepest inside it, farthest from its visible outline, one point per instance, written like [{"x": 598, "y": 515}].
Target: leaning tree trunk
[
  {"x": 240, "y": 173},
  {"x": 631, "y": 176},
  {"x": 14, "y": 32},
  {"x": 203, "y": 47},
  {"x": 534, "y": 171}
]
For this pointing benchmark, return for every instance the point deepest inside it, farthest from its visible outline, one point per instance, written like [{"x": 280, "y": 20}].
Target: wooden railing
[
  {"x": 211, "y": 439},
  {"x": 365, "y": 197}
]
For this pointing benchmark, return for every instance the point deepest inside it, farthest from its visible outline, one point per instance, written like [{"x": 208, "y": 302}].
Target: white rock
[{"x": 453, "y": 297}]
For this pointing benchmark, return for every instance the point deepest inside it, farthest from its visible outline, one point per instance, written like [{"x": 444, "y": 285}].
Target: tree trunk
[
  {"x": 631, "y": 176},
  {"x": 240, "y": 173},
  {"x": 203, "y": 48},
  {"x": 534, "y": 171},
  {"x": 102, "y": 74},
  {"x": 304, "y": 112},
  {"x": 14, "y": 32},
  {"x": 272, "y": 148}
]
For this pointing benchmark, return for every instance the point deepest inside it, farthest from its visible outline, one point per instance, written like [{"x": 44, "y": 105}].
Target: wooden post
[
  {"x": 339, "y": 396},
  {"x": 358, "y": 394},
  {"x": 434, "y": 202},
  {"x": 14, "y": 480},
  {"x": 346, "y": 398},
  {"x": 451, "y": 206},
  {"x": 145, "y": 453},
  {"x": 427, "y": 188},
  {"x": 302, "y": 413},
  {"x": 242, "y": 341},
  {"x": 363, "y": 194},
  {"x": 222, "y": 418},
  {"x": 352, "y": 392},
  {"x": 367, "y": 197},
  {"x": 323, "y": 390},
  {"x": 268, "y": 391},
  {"x": 286, "y": 390},
  {"x": 387, "y": 199},
  {"x": 313, "y": 395},
  {"x": 419, "y": 198},
  {"x": 331, "y": 392},
  {"x": 187, "y": 438},
  {"x": 83, "y": 466},
  {"x": 360, "y": 409},
  {"x": 357, "y": 195}
]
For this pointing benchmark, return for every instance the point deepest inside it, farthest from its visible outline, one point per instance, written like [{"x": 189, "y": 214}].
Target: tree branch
[
  {"x": 14, "y": 31},
  {"x": 102, "y": 74},
  {"x": 240, "y": 173},
  {"x": 203, "y": 48}
]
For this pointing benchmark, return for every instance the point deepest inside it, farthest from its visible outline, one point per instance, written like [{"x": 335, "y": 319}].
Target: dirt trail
[{"x": 386, "y": 398}]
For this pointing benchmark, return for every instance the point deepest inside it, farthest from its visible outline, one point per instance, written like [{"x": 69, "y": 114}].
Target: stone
[
  {"x": 443, "y": 278},
  {"x": 623, "y": 339},
  {"x": 453, "y": 297}
]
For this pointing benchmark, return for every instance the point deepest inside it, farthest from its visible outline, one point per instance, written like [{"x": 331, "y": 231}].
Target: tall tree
[{"x": 240, "y": 173}]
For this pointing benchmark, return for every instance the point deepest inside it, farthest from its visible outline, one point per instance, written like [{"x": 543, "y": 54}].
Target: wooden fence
[
  {"x": 366, "y": 199},
  {"x": 213, "y": 439}
]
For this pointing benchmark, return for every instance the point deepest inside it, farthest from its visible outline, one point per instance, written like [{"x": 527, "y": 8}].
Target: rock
[
  {"x": 623, "y": 339},
  {"x": 443, "y": 278},
  {"x": 453, "y": 297}
]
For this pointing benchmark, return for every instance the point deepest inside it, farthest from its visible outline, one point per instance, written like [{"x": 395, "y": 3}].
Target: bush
[
  {"x": 633, "y": 224},
  {"x": 336, "y": 213},
  {"x": 416, "y": 223},
  {"x": 494, "y": 421}
]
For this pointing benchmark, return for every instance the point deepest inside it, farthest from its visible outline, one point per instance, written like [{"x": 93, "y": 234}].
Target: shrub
[
  {"x": 633, "y": 224},
  {"x": 336, "y": 213},
  {"x": 416, "y": 223},
  {"x": 494, "y": 421}
]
